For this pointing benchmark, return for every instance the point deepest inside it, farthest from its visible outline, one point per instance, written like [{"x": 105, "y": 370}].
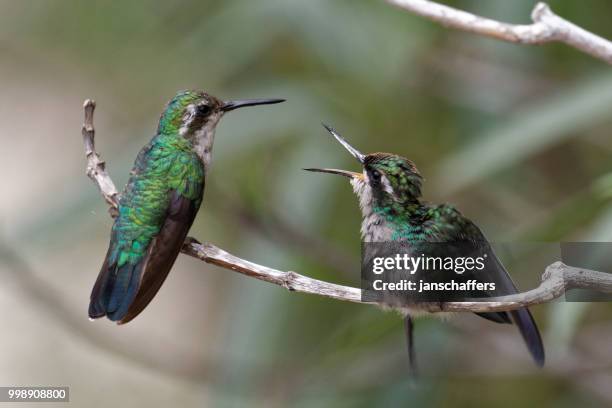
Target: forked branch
[{"x": 547, "y": 27}]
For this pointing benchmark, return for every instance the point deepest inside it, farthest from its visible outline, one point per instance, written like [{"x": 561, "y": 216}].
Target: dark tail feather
[
  {"x": 409, "y": 329},
  {"x": 125, "y": 291},
  {"x": 101, "y": 290},
  {"x": 497, "y": 317},
  {"x": 527, "y": 326},
  {"x": 114, "y": 290},
  {"x": 97, "y": 308},
  {"x": 119, "y": 289}
]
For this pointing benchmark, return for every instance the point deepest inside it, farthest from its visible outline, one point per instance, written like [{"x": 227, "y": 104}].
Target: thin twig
[
  {"x": 547, "y": 27},
  {"x": 96, "y": 167},
  {"x": 292, "y": 281},
  {"x": 556, "y": 280}
]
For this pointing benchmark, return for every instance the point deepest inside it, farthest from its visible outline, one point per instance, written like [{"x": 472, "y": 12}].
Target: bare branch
[
  {"x": 289, "y": 280},
  {"x": 556, "y": 280},
  {"x": 547, "y": 27},
  {"x": 96, "y": 168}
]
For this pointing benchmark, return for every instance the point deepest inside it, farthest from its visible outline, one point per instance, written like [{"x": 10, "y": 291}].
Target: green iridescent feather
[{"x": 168, "y": 163}]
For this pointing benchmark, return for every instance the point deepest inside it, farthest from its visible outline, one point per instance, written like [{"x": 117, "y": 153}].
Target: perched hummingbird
[
  {"x": 389, "y": 193},
  {"x": 159, "y": 204}
]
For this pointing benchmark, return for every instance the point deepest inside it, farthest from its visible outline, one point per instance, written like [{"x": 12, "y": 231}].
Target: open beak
[
  {"x": 231, "y": 105},
  {"x": 345, "y": 173},
  {"x": 354, "y": 152}
]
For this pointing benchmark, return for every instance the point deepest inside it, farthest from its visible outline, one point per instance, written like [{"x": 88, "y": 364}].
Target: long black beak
[
  {"x": 354, "y": 152},
  {"x": 345, "y": 173},
  {"x": 231, "y": 105}
]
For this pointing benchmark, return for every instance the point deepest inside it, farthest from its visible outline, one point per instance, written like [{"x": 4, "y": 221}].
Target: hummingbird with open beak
[
  {"x": 159, "y": 204},
  {"x": 389, "y": 191}
]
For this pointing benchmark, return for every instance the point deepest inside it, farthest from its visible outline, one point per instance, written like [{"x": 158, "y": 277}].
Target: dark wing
[
  {"x": 451, "y": 225},
  {"x": 162, "y": 253}
]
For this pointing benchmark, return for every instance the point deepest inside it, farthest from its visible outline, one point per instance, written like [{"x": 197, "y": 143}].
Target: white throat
[
  {"x": 204, "y": 137},
  {"x": 374, "y": 228}
]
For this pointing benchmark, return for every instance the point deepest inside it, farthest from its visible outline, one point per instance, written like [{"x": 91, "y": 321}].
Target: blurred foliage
[{"x": 516, "y": 136}]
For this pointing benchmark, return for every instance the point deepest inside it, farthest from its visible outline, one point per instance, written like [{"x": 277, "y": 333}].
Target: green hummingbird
[
  {"x": 159, "y": 204},
  {"x": 389, "y": 193}
]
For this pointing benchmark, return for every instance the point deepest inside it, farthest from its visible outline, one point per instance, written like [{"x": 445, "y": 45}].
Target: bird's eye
[
  {"x": 203, "y": 109},
  {"x": 375, "y": 175}
]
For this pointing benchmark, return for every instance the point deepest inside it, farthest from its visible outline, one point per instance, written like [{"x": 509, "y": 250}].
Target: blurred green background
[{"x": 516, "y": 136}]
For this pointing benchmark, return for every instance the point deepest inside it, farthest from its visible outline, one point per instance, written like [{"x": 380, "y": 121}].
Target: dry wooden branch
[
  {"x": 547, "y": 27},
  {"x": 96, "y": 168},
  {"x": 556, "y": 280}
]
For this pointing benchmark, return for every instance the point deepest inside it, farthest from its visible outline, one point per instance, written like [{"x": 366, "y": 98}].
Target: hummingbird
[
  {"x": 389, "y": 192},
  {"x": 159, "y": 204}
]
